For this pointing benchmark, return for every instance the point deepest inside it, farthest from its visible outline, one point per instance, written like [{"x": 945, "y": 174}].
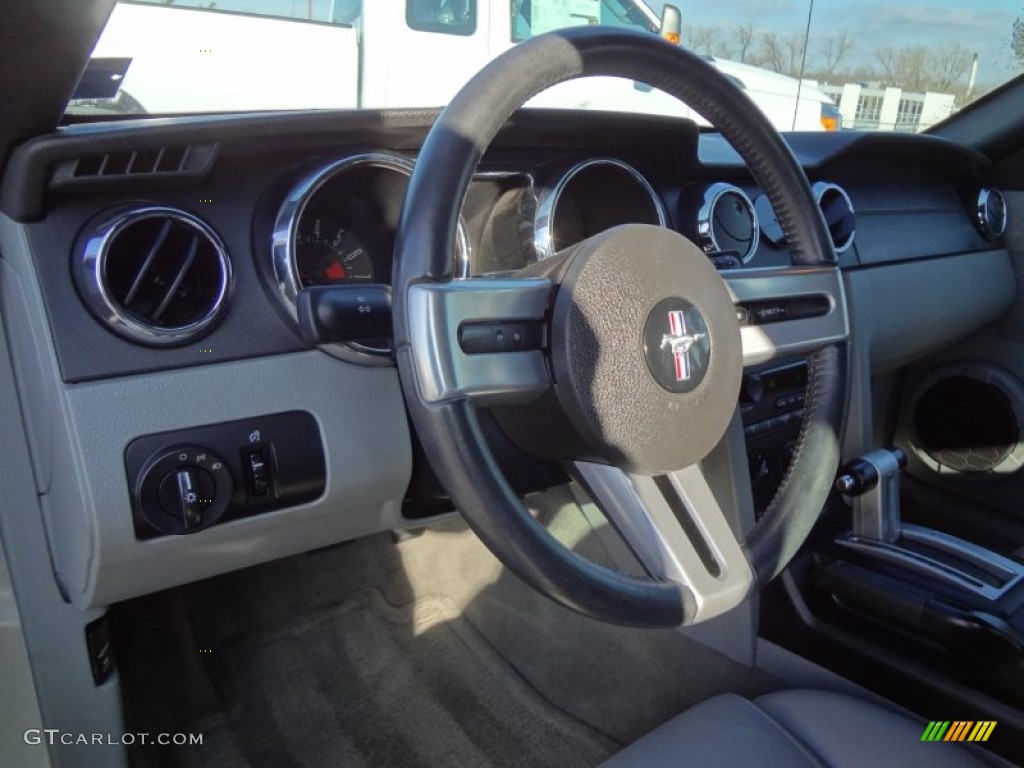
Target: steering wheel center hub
[
  {"x": 677, "y": 346},
  {"x": 646, "y": 349}
]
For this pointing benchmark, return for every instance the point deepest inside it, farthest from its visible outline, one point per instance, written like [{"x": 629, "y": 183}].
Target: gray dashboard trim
[
  {"x": 361, "y": 416},
  {"x": 59, "y": 688},
  {"x": 907, "y": 310},
  {"x": 79, "y": 432}
]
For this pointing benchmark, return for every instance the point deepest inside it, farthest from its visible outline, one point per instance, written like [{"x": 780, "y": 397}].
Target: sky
[{"x": 981, "y": 26}]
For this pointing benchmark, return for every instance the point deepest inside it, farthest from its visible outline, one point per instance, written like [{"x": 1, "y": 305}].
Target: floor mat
[{"x": 368, "y": 684}]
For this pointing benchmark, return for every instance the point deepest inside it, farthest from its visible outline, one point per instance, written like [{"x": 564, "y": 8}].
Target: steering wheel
[{"x": 642, "y": 351}]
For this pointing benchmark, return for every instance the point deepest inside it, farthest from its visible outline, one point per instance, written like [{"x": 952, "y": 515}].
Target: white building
[{"x": 888, "y": 109}]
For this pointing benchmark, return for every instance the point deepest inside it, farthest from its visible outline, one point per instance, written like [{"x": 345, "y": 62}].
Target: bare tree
[
  {"x": 1017, "y": 40},
  {"x": 949, "y": 65},
  {"x": 770, "y": 52},
  {"x": 905, "y": 67},
  {"x": 698, "y": 38},
  {"x": 745, "y": 36},
  {"x": 835, "y": 49},
  {"x": 794, "y": 47},
  {"x": 917, "y": 68}
]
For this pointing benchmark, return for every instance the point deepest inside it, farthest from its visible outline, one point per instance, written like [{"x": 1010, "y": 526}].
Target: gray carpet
[
  {"x": 306, "y": 661},
  {"x": 368, "y": 684}
]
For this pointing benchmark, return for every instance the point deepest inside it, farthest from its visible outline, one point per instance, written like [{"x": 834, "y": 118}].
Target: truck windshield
[
  {"x": 534, "y": 17},
  {"x": 849, "y": 64}
]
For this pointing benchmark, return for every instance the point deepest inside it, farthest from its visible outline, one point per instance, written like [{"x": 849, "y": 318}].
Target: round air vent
[
  {"x": 837, "y": 208},
  {"x": 157, "y": 276},
  {"x": 727, "y": 221},
  {"x": 966, "y": 419},
  {"x": 990, "y": 214}
]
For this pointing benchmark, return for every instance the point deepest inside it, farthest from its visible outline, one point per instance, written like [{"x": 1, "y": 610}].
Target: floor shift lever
[
  {"x": 948, "y": 591},
  {"x": 873, "y": 482}
]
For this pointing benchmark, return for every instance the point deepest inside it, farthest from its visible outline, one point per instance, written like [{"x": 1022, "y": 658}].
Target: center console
[
  {"x": 772, "y": 408},
  {"x": 944, "y": 601},
  {"x": 936, "y": 589}
]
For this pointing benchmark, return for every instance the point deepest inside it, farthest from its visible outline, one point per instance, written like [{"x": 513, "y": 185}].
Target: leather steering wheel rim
[{"x": 449, "y": 428}]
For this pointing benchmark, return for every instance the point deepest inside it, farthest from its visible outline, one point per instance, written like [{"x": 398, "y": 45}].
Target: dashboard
[{"x": 158, "y": 279}]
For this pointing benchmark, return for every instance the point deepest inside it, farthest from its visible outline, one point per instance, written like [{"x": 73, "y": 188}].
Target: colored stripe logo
[{"x": 958, "y": 730}]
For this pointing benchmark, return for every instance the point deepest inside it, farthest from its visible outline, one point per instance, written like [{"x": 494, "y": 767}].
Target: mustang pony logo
[{"x": 678, "y": 342}]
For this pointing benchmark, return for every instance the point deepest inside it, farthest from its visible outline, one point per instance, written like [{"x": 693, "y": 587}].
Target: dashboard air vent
[
  {"x": 156, "y": 160},
  {"x": 837, "y": 207},
  {"x": 990, "y": 213},
  {"x": 158, "y": 276}
]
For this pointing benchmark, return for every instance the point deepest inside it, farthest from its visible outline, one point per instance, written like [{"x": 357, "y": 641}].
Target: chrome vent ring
[
  {"x": 155, "y": 275},
  {"x": 990, "y": 213},
  {"x": 727, "y": 221},
  {"x": 837, "y": 208}
]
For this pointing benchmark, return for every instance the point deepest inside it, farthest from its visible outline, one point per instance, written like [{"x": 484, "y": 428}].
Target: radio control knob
[{"x": 753, "y": 388}]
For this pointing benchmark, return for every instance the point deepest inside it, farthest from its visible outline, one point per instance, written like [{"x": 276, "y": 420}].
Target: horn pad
[{"x": 646, "y": 349}]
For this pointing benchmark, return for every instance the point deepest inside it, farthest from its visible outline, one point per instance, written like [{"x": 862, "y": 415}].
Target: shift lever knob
[
  {"x": 872, "y": 481},
  {"x": 861, "y": 475}
]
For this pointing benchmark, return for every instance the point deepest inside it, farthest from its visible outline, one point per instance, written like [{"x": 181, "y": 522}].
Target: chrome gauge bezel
[
  {"x": 822, "y": 188},
  {"x": 543, "y": 226},
  {"x": 284, "y": 259},
  {"x": 989, "y": 229},
  {"x": 705, "y": 217}
]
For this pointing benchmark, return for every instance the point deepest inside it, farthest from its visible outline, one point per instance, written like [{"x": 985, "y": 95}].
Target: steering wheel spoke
[
  {"x": 788, "y": 312},
  {"x": 480, "y": 338},
  {"x": 677, "y": 529},
  {"x": 644, "y": 344}
]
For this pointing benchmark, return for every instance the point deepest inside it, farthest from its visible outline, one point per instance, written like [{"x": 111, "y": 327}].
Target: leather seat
[{"x": 793, "y": 729}]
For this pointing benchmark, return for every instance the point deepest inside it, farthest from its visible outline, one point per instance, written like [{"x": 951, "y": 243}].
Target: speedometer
[
  {"x": 336, "y": 228},
  {"x": 327, "y": 253}
]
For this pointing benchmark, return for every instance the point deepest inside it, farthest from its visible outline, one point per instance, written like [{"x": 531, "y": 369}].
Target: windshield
[{"x": 868, "y": 65}]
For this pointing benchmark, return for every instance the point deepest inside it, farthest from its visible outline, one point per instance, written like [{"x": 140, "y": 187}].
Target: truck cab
[{"x": 408, "y": 53}]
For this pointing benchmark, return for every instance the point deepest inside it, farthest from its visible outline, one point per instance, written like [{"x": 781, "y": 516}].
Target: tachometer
[{"x": 327, "y": 252}]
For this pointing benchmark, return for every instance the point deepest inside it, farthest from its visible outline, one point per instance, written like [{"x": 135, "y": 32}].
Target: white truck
[{"x": 178, "y": 57}]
